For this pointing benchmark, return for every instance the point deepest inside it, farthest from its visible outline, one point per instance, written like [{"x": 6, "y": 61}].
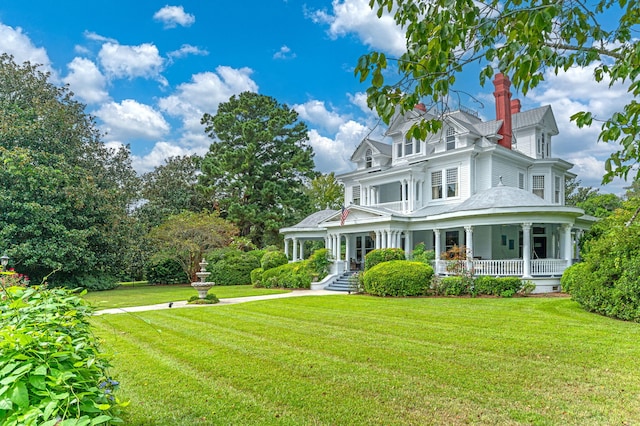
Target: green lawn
[
  {"x": 358, "y": 360},
  {"x": 150, "y": 295}
]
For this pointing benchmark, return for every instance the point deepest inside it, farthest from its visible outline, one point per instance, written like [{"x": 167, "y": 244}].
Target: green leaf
[
  {"x": 20, "y": 395},
  {"x": 100, "y": 419}
]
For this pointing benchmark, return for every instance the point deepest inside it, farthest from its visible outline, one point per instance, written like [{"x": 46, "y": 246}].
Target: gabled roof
[
  {"x": 534, "y": 117},
  {"x": 314, "y": 219},
  {"x": 378, "y": 148}
]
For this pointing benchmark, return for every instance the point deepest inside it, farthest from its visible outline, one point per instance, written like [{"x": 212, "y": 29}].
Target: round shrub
[
  {"x": 166, "y": 270},
  {"x": 318, "y": 263},
  {"x": 272, "y": 259},
  {"x": 233, "y": 269},
  {"x": 398, "y": 278},
  {"x": 256, "y": 277},
  {"x": 573, "y": 276},
  {"x": 452, "y": 286},
  {"x": 377, "y": 256},
  {"x": 290, "y": 275},
  {"x": 52, "y": 369}
]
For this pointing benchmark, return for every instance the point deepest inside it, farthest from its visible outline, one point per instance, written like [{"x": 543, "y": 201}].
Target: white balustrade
[{"x": 548, "y": 266}]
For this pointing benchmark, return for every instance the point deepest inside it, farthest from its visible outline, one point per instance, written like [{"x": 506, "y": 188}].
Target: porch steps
[{"x": 342, "y": 283}]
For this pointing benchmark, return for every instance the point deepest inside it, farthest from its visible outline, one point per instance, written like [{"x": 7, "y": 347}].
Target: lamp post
[{"x": 4, "y": 260}]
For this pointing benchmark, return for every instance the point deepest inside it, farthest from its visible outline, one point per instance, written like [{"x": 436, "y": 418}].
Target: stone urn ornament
[{"x": 203, "y": 286}]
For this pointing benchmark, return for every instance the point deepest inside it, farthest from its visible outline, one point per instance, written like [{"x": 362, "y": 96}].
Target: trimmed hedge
[
  {"x": 574, "y": 276},
  {"x": 233, "y": 269},
  {"x": 291, "y": 275},
  {"x": 273, "y": 259},
  {"x": 480, "y": 285},
  {"x": 398, "y": 278},
  {"x": 256, "y": 277},
  {"x": 377, "y": 256},
  {"x": 166, "y": 270}
]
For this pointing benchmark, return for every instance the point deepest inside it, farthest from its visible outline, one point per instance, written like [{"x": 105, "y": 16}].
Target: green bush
[
  {"x": 256, "y": 277},
  {"x": 51, "y": 368},
  {"x": 420, "y": 254},
  {"x": 497, "y": 286},
  {"x": 377, "y": 256},
  {"x": 290, "y": 275},
  {"x": 91, "y": 282},
  {"x": 452, "y": 286},
  {"x": 273, "y": 259},
  {"x": 574, "y": 275},
  {"x": 319, "y": 263},
  {"x": 234, "y": 268},
  {"x": 166, "y": 270},
  {"x": 209, "y": 299},
  {"x": 609, "y": 284},
  {"x": 398, "y": 278}
]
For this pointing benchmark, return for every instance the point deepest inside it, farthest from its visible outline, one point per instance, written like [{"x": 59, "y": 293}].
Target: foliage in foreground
[
  {"x": 293, "y": 275},
  {"x": 231, "y": 267},
  {"x": 51, "y": 368},
  {"x": 524, "y": 40},
  {"x": 608, "y": 282},
  {"x": 382, "y": 255}
]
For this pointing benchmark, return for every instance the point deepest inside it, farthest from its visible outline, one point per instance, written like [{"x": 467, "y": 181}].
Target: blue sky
[{"x": 148, "y": 70}]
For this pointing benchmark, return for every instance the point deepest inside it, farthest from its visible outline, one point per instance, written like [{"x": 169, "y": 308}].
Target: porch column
[
  {"x": 408, "y": 244},
  {"x": 392, "y": 239},
  {"x": 347, "y": 245},
  {"x": 286, "y": 247},
  {"x": 399, "y": 240},
  {"x": 526, "y": 250},
  {"x": 295, "y": 250},
  {"x": 385, "y": 239},
  {"x": 469, "y": 237},
  {"x": 338, "y": 244},
  {"x": 300, "y": 247},
  {"x": 567, "y": 243},
  {"x": 378, "y": 237},
  {"x": 436, "y": 233},
  {"x": 577, "y": 243}
]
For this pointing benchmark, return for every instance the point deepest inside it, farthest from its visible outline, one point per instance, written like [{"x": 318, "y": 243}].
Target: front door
[{"x": 539, "y": 247}]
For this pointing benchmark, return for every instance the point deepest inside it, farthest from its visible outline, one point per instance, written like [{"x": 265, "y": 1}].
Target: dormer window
[
  {"x": 368, "y": 159},
  {"x": 451, "y": 139},
  {"x": 408, "y": 145}
]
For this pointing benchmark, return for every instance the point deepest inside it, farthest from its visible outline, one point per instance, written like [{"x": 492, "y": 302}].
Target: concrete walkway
[{"x": 229, "y": 301}]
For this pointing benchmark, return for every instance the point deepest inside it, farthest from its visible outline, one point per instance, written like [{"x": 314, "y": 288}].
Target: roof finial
[{"x": 500, "y": 183}]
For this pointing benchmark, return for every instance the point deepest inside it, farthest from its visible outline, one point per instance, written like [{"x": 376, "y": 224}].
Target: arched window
[{"x": 368, "y": 159}]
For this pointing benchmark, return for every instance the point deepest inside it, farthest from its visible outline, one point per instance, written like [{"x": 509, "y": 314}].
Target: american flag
[{"x": 343, "y": 215}]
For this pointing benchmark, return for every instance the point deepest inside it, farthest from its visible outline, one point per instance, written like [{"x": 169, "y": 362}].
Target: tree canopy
[
  {"x": 523, "y": 39},
  {"x": 257, "y": 166},
  {"x": 325, "y": 192},
  {"x": 63, "y": 195}
]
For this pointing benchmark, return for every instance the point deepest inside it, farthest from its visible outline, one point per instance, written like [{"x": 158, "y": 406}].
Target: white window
[
  {"x": 436, "y": 185},
  {"x": 538, "y": 185},
  {"x": 451, "y": 139},
  {"x": 452, "y": 183},
  {"x": 398, "y": 150},
  {"x": 417, "y": 145},
  {"x": 408, "y": 145},
  {"x": 520, "y": 180},
  {"x": 557, "y": 190},
  {"x": 356, "y": 194},
  {"x": 368, "y": 158}
]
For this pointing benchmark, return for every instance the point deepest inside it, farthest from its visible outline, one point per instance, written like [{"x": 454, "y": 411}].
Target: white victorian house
[{"x": 491, "y": 186}]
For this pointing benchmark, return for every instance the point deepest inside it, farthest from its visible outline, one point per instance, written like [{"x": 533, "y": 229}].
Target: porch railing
[{"x": 502, "y": 267}]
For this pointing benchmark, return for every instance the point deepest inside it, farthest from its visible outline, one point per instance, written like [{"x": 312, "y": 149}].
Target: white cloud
[
  {"x": 284, "y": 53},
  {"x": 86, "y": 81},
  {"x": 355, "y": 16},
  {"x": 15, "y": 42},
  {"x": 121, "y": 61},
  {"x": 173, "y": 16},
  {"x": 160, "y": 152},
  {"x": 568, "y": 93},
  {"x": 315, "y": 112},
  {"x": 332, "y": 154},
  {"x": 90, "y": 35},
  {"x": 131, "y": 120},
  {"x": 185, "y": 50},
  {"x": 205, "y": 92}
]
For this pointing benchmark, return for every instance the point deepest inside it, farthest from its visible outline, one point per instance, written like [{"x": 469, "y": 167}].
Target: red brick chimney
[
  {"x": 515, "y": 106},
  {"x": 503, "y": 108},
  {"x": 421, "y": 107}
]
